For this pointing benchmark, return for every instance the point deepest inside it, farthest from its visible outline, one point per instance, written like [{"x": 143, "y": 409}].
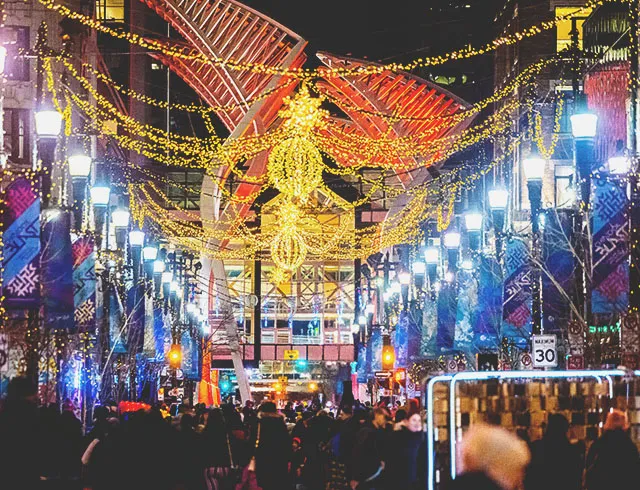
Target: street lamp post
[
  {"x": 120, "y": 220},
  {"x": 100, "y": 198},
  {"x": 473, "y": 221},
  {"x": 48, "y": 126},
  {"x": 79, "y": 169},
  {"x": 498, "y": 199},
  {"x": 534, "y": 167},
  {"x": 583, "y": 128}
]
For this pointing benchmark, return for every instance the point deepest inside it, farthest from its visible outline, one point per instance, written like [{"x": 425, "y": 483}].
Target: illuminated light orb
[
  {"x": 288, "y": 250},
  {"x": 295, "y": 167}
]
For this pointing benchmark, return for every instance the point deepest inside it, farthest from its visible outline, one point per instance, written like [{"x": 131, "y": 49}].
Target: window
[
  {"x": 565, "y": 194},
  {"x": 110, "y": 10},
  {"x": 17, "y": 131},
  {"x": 186, "y": 194},
  {"x": 563, "y": 28},
  {"x": 17, "y": 65}
]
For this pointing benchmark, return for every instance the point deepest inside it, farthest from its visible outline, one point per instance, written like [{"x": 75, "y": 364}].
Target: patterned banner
[
  {"x": 21, "y": 238},
  {"x": 486, "y": 325},
  {"x": 414, "y": 333},
  {"x": 116, "y": 322},
  {"x": 57, "y": 271},
  {"x": 374, "y": 351},
  {"x": 191, "y": 356},
  {"x": 517, "y": 299},
  {"x": 429, "y": 326},
  {"x": 610, "y": 248},
  {"x": 467, "y": 305},
  {"x": 558, "y": 278},
  {"x": 84, "y": 282},
  {"x": 446, "y": 317},
  {"x": 135, "y": 316},
  {"x": 401, "y": 340},
  {"x": 149, "y": 348}
]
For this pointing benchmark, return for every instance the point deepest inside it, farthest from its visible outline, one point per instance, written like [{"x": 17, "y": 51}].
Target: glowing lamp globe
[
  {"x": 419, "y": 267},
  {"x": 48, "y": 123},
  {"x": 534, "y": 166},
  {"x": 584, "y": 125},
  {"x": 136, "y": 238},
  {"x": 120, "y": 218},
  {"x": 432, "y": 255},
  {"x": 466, "y": 265},
  {"x": 79, "y": 166},
  {"x": 362, "y": 320},
  {"x": 369, "y": 309},
  {"x": 395, "y": 288},
  {"x": 174, "y": 287},
  {"x": 100, "y": 195},
  {"x": 473, "y": 221},
  {"x": 452, "y": 239},
  {"x": 149, "y": 253},
  {"x": 619, "y": 165},
  {"x": 158, "y": 267},
  {"x": 498, "y": 199},
  {"x": 191, "y": 308},
  {"x": 404, "y": 278}
]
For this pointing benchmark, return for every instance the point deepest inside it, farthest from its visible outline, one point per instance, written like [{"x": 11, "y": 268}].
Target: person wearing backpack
[{"x": 613, "y": 460}]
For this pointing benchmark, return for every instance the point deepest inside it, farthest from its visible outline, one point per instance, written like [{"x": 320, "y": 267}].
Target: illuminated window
[
  {"x": 186, "y": 193},
  {"x": 563, "y": 28},
  {"x": 17, "y": 130},
  {"x": 110, "y": 10}
]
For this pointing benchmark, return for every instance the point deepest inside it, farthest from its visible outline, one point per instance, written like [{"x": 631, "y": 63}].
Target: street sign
[
  {"x": 291, "y": 355},
  {"x": 383, "y": 374},
  {"x": 544, "y": 351}
]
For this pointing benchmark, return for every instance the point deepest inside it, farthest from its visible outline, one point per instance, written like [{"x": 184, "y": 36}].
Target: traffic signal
[
  {"x": 388, "y": 354},
  {"x": 175, "y": 356}
]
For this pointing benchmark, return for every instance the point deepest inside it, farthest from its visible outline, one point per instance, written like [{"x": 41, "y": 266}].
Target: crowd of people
[{"x": 302, "y": 447}]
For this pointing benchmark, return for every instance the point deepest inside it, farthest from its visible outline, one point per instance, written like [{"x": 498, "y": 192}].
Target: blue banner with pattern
[
  {"x": 57, "y": 271},
  {"x": 84, "y": 282},
  {"x": 467, "y": 306},
  {"x": 559, "y": 268},
  {"x": 610, "y": 291},
  {"x": 446, "y": 316},
  {"x": 489, "y": 312},
  {"x": 518, "y": 298},
  {"x": 428, "y": 346},
  {"x": 21, "y": 245},
  {"x": 190, "y": 355}
]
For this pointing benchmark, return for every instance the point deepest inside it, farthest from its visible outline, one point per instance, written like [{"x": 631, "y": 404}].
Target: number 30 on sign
[{"x": 544, "y": 351}]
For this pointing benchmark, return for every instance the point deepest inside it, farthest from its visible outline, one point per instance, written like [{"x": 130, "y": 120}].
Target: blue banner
[
  {"x": 558, "y": 276},
  {"x": 401, "y": 340},
  {"x": 374, "y": 351},
  {"x": 84, "y": 282},
  {"x": 467, "y": 305},
  {"x": 517, "y": 299},
  {"x": 190, "y": 355},
  {"x": 489, "y": 311},
  {"x": 21, "y": 245},
  {"x": 610, "y": 248},
  {"x": 57, "y": 271},
  {"x": 446, "y": 317},
  {"x": 428, "y": 347},
  {"x": 135, "y": 315},
  {"x": 116, "y": 322},
  {"x": 414, "y": 333}
]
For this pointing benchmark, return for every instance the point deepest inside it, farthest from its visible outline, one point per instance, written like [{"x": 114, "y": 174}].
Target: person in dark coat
[
  {"x": 20, "y": 456},
  {"x": 612, "y": 460},
  {"x": 369, "y": 452},
  {"x": 272, "y": 449},
  {"x": 556, "y": 464},
  {"x": 189, "y": 471},
  {"x": 216, "y": 452},
  {"x": 405, "y": 466},
  {"x": 490, "y": 458}
]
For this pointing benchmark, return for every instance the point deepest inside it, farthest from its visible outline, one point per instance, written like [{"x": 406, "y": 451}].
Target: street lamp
[
  {"x": 149, "y": 253},
  {"x": 473, "y": 221},
  {"x": 100, "y": 197},
  {"x": 136, "y": 238},
  {"x": 48, "y": 126},
  {"x": 451, "y": 241},
  {"x": 79, "y": 169},
  {"x": 120, "y": 220},
  {"x": 534, "y": 167},
  {"x": 432, "y": 259},
  {"x": 498, "y": 200}
]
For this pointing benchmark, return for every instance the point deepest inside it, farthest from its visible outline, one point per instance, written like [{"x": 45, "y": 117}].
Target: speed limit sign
[{"x": 544, "y": 351}]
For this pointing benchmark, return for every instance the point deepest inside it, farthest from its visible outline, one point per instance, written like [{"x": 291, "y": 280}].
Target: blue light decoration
[
  {"x": 401, "y": 340},
  {"x": 116, "y": 322},
  {"x": 560, "y": 265},
  {"x": 301, "y": 364},
  {"x": 136, "y": 315},
  {"x": 610, "y": 247},
  {"x": 225, "y": 385},
  {"x": 518, "y": 298}
]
